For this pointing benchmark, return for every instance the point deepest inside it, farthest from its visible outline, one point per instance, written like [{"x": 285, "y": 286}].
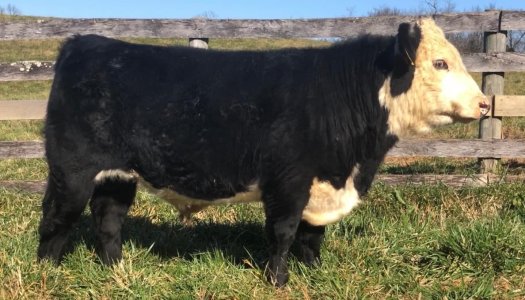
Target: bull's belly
[
  {"x": 326, "y": 204},
  {"x": 188, "y": 206}
]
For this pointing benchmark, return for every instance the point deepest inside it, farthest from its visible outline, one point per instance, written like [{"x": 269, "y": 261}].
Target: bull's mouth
[{"x": 484, "y": 109}]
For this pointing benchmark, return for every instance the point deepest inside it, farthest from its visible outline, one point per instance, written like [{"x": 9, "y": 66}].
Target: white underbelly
[{"x": 326, "y": 204}]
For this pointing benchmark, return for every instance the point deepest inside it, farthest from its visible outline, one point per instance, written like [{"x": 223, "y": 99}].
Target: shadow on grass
[
  {"x": 433, "y": 168},
  {"x": 237, "y": 242}
]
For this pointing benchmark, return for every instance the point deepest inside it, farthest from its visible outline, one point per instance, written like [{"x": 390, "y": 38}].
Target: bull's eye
[{"x": 440, "y": 64}]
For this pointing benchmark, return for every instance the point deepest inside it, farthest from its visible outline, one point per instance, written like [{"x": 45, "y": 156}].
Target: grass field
[{"x": 404, "y": 242}]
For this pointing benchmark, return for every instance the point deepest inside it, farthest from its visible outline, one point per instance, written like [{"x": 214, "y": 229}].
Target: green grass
[
  {"x": 19, "y": 50},
  {"x": 25, "y": 90},
  {"x": 46, "y": 50},
  {"x": 23, "y": 169},
  {"x": 512, "y": 128},
  {"x": 21, "y": 130},
  {"x": 405, "y": 242}
]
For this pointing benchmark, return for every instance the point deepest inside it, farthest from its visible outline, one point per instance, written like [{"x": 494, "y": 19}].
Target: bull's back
[{"x": 163, "y": 112}]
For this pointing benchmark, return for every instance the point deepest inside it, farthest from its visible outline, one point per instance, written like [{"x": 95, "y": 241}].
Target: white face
[
  {"x": 460, "y": 99},
  {"x": 442, "y": 91},
  {"x": 439, "y": 64}
]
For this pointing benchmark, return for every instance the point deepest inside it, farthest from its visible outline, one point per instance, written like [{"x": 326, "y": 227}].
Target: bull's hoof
[
  {"x": 310, "y": 258},
  {"x": 51, "y": 248},
  {"x": 108, "y": 258},
  {"x": 42, "y": 258},
  {"x": 277, "y": 277}
]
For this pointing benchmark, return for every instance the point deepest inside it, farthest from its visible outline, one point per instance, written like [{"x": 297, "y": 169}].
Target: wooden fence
[{"x": 493, "y": 63}]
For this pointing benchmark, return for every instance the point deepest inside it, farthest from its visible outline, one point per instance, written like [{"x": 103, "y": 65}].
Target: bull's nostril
[{"x": 484, "y": 108}]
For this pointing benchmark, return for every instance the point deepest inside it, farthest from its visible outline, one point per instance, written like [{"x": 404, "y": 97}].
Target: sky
[{"x": 231, "y": 9}]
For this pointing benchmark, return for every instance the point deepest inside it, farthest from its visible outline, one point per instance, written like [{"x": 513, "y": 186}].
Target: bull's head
[{"x": 429, "y": 85}]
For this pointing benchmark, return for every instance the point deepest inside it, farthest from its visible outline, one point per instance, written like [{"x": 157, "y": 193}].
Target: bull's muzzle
[{"x": 484, "y": 108}]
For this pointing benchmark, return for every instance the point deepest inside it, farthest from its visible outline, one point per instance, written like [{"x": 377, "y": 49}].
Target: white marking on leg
[{"x": 115, "y": 174}]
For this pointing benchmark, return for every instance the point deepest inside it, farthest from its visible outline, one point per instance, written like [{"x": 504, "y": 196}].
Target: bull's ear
[{"x": 407, "y": 40}]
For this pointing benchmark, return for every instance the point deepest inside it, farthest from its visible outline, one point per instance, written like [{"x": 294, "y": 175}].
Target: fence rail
[
  {"x": 475, "y": 62},
  {"x": 22, "y": 109},
  {"x": 454, "y": 181},
  {"x": 467, "y": 148},
  {"x": 282, "y": 28},
  {"x": 490, "y": 63},
  {"x": 503, "y": 106}
]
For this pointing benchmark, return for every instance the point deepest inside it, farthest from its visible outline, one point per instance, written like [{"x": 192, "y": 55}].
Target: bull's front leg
[{"x": 284, "y": 204}]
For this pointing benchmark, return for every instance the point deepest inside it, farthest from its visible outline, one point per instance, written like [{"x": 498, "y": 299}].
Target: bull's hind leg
[
  {"x": 309, "y": 239},
  {"x": 113, "y": 195},
  {"x": 63, "y": 203}
]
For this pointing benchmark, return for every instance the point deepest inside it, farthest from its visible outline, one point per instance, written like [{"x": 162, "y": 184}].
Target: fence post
[
  {"x": 199, "y": 43},
  {"x": 492, "y": 84}
]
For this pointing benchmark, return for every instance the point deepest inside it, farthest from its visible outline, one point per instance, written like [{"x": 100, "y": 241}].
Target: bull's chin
[
  {"x": 456, "y": 118},
  {"x": 439, "y": 120},
  {"x": 463, "y": 119}
]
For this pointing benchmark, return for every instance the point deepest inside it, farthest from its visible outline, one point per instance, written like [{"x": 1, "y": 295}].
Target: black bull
[{"x": 215, "y": 124}]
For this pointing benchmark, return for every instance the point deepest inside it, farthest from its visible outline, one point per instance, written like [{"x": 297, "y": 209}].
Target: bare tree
[
  {"x": 465, "y": 42},
  {"x": 12, "y": 10},
  {"x": 515, "y": 38},
  {"x": 449, "y": 7},
  {"x": 471, "y": 42},
  {"x": 385, "y": 11},
  {"x": 516, "y": 41},
  {"x": 434, "y": 7},
  {"x": 206, "y": 15},
  {"x": 393, "y": 11}
]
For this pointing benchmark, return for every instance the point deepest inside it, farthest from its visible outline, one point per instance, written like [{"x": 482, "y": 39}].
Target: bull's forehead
[{"x": 434, "y": 45}]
